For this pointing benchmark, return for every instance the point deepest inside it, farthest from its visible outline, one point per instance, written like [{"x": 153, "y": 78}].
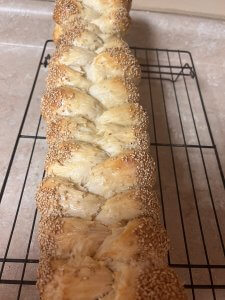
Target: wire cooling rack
[{"x": 190, "y": 179}]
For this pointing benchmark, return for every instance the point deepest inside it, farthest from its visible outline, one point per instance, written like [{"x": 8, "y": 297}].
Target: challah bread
[
  {"x": 88, "y": 278},
  {"x": 96, "y": 31},
  {"x": 60, "y": 75},
  {"x": 113, "y": 244},
  {"x": 139, "y": 240},
  {"x": 81, "y": 37},
  {"x": 74, "y": 279},
  {"x": 103, "y": 17},
  {"x": 71, "y": 128},
  {"x": 69, "y": 102},
  {"x": 112, "y": 138},
  {"x": 77, "y": 238},
  {"x": 73, "y": 160},
  {"x": 117, "y": 174},
  {"x": 129, "y": 205},
  {"x": 102, "y": 5},
  {"x": 115, "y": 92},
  {"x": 59, "y": 197},
  {"x": 110, "y": 131},
  {"x": 143, "y": 282},
  {"x": 73, "y": 57},
  {"x": 114, "y": 62},
  {"x": 100, "y": 234}
]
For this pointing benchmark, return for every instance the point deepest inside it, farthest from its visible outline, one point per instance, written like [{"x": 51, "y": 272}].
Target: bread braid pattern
[{"x": 100, "y": 234}]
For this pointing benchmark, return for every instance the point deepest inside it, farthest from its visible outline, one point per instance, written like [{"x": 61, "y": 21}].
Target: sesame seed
[
  {"x": 64, "y": 9},
  {"x": 154, "y": 282},
  {"x": 159, "y": 284},
  {"x": 125, "y": 58}
]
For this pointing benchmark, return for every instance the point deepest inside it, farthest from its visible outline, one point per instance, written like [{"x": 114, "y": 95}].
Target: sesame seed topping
[
  {"x": 60, "y": 52},
  {"x": 133, "y": 91},
  {"x": 121, "y": 20},
  {"x": 58, "y": 153},
  {"x": 159, "y": 284},
  {"x": 152, "y": 240},
  {"x": 127, "y": 61},
  {"x": 64, "y": 9},
  {"x": 52, "y": 98},
  {"x": 47, "y": 199},
  {"x": 63, "y": 134},
  {"x": 72, "y": 33},
  {"x": 57, "y": 75},
  {"x": 58, "y": 130}
]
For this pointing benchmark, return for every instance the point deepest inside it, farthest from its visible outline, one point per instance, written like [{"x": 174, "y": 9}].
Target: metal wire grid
[{"x": 190, "y": 179}]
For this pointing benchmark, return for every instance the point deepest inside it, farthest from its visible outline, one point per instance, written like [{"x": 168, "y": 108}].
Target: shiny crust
[{"x": 100, "y": 234}]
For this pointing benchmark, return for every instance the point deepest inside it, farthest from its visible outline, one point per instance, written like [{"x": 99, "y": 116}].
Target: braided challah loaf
[{"x": 100, "y": 234}]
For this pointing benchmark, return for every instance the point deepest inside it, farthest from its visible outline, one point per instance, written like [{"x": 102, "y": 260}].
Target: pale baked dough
[{"x": 100, "y": 234}]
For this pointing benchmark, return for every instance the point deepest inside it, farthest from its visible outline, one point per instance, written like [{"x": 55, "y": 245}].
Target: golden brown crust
[
  {"x": 64, "y": 9},
  {"x": 62, "y": 238},
  {"x": 67, "y": 153},
  {"x": 57, "y": 33},
  {"x": 152, "y": 240},
  {"x": 66, "y": 238},
  {"x": 77, "y": 34},
  {"x": 115, "y": 62},
  {"x": 72, "y": 17},
  {"x": 116, "y": 22},
  {"x": 115, "y": 92},
  {"x": 106, "y": 133},
  {"x": 53, "y": 99},
  {"x": 67, "y": 101},
  {"x": 160, "y": 284},
  {"x": 47, "y": 198},
  {"x": 61, "y": 152},
  {"x": 60, "y": 75},
  {"x": 141, "y": 240},
  {"x": 62, "y": 35},
  {"x": 100, "y": 234},
  {"x": 69, "y": 128},
  {"x": 57, "y": 197},
  {"x": 57, "y": 55},
  {"x": 75, "y": 279},
  {"x": 127, "y": 61},
  {"x": 122, "y": 172}
]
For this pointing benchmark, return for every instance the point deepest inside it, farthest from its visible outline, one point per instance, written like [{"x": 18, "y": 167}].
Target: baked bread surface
[{"x": 100, "y": 234}]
